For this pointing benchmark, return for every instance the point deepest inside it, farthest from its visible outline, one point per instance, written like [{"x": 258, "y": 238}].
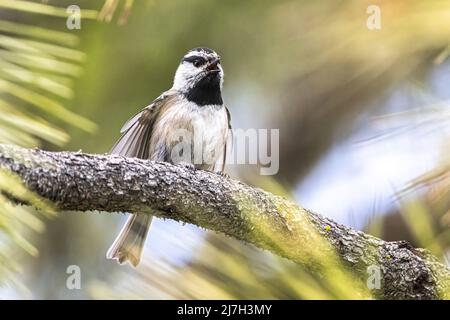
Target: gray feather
[{"x": 135, "y": 142}]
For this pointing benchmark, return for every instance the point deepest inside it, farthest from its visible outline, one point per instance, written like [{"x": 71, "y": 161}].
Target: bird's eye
[{"x": 197, "y": 62}]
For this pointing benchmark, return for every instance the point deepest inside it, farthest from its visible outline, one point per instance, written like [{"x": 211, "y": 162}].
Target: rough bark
[{"x": 83, "y": 182}]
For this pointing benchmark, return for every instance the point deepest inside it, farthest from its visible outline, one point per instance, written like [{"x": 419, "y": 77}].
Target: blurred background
[{"x": 363, "y": 115}]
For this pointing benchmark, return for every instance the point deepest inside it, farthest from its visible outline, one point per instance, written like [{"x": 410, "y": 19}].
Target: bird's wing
[
  {"x": 230, "y": 132},
  {"x": 228, "y": 117},
  {"x": 136, "y": 132}
]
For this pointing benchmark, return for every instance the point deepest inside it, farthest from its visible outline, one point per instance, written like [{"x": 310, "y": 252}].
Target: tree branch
[{"x": 82, "y": 182}]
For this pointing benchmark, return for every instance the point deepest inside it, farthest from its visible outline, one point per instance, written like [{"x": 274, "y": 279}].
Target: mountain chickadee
[{"x": 192, "y": 109}]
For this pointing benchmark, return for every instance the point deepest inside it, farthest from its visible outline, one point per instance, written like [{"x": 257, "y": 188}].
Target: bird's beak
[{"x": 212, "y": 66}]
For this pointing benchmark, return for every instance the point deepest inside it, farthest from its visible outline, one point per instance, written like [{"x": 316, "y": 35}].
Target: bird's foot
[
  {"x": 223, "y": 174},
  {"x": 187, "y": 165}
]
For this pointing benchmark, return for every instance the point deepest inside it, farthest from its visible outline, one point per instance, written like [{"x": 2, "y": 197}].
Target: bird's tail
[{"x": 130, "y": 241}]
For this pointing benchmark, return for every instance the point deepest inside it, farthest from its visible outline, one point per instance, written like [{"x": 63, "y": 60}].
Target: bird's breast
[{"x": 186, "y": 132}]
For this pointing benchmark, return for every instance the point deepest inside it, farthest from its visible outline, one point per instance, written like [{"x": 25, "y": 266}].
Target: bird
[{"x": 192, "y": 109}]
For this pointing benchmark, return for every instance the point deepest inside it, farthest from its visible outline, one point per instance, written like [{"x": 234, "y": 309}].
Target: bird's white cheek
[
  {"x": 177, "y": 80},
  {"x": 183, "y": 76},
  {"x": 221, "y": 76}
]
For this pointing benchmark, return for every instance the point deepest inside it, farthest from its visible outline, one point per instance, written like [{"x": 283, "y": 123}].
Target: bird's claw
[
  {"x": 187, "y": 165},
  {"x": 223, "y": 174}
]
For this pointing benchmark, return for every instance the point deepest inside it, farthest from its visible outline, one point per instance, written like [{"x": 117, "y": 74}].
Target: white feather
[{"x": 206, "y": 127}]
